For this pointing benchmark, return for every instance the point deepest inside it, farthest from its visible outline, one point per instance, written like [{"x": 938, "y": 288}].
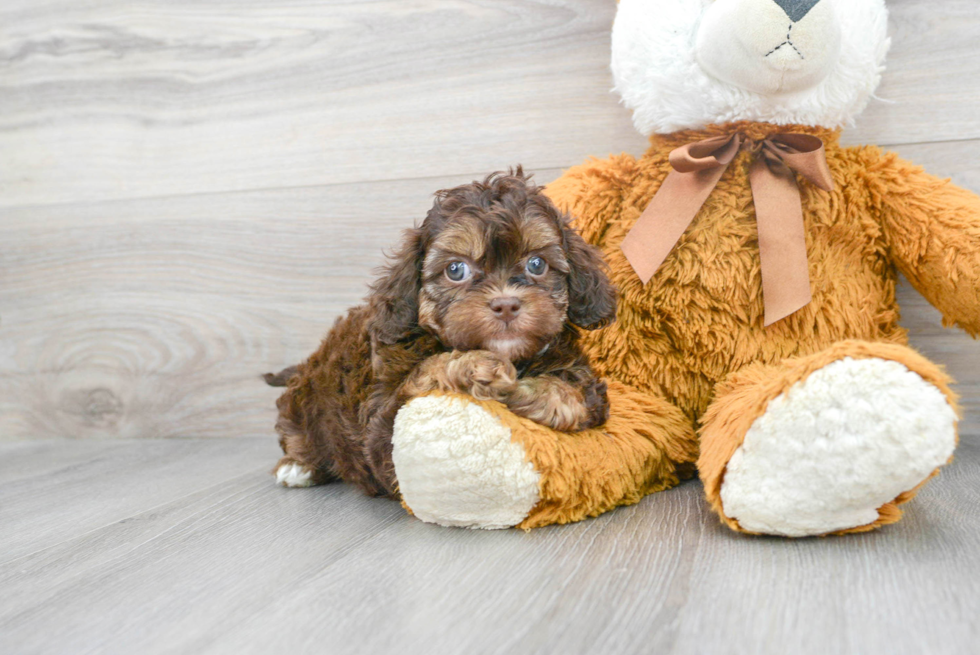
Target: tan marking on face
[
  {"x": 464, "y": 238},
  {"x": 538, "y": 234}
]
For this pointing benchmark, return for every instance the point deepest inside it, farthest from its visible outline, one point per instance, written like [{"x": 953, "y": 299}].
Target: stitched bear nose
[
  {"x": 506, "y": 309},
  {"x": 796, "y": 9}
]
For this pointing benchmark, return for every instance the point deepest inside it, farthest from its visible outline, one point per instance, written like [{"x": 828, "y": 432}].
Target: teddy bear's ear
[{"x": 591, "y": 296}]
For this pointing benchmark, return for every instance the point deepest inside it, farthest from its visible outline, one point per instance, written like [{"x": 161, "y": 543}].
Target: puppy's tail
[{"x": 280, "y": 379}]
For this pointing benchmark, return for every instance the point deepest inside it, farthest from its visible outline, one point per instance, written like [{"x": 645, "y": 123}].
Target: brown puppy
[{"x": 482, "y": 299}]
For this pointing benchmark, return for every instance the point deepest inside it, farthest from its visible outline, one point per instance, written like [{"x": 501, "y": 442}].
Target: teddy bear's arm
[
  {"x": 474, "y": 463},
  {"x": 932, "y": 228}
]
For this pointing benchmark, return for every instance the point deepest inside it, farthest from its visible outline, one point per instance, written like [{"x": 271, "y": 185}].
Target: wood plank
[
  {"x": 61, "y": 489},
  {"x": 244, "y": 566},
  {"x": 104, "y": 100},
  {"x": 931, "y": 86}
]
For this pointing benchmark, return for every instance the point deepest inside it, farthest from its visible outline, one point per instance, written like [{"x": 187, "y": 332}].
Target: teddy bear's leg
[
  {"x": 470, "y": 463},
  {"x": 828, "y": 443}
]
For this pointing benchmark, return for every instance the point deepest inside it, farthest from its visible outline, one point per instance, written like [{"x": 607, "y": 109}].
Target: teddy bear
[{"x": 757, "y": 343}]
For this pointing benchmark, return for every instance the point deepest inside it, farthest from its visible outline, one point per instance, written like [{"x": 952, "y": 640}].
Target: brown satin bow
[{"x": 779, "y": 214}]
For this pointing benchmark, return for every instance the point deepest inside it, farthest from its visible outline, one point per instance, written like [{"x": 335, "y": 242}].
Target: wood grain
[
  {"x": 53, "y": 491},
  {"x": 243, "y": 566},
  {"x": 106, "y": 99},
  {"x": 929, "y": 91}
]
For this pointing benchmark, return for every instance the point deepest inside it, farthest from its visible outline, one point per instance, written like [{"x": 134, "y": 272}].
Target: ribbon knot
[{"x": 698, "y": 167}]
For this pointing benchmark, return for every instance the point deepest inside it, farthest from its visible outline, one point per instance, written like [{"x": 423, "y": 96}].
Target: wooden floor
[
  {"x": 192, "y": 190},
  {"x": 185, "y": 546}
]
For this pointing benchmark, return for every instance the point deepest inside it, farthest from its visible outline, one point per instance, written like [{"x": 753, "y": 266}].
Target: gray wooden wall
[{"x": 191, "y": 191}]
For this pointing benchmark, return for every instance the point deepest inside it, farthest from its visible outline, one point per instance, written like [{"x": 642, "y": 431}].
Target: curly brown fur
[{"x": 483, "y": 298}]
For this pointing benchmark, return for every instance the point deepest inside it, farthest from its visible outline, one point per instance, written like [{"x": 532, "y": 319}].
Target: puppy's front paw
[
  {"x": 550, "y": 401},
  {"x": 483, "y": 374}
]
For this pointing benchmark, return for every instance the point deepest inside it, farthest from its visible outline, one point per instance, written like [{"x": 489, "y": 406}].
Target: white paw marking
[
  {"x": 457, "y": 466},
  {"x": 834, "y": 448},
  {"x": 294, "y": 475}
]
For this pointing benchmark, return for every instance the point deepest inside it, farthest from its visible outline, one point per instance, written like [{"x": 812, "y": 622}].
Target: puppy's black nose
[{"x": 506, "y": 309}]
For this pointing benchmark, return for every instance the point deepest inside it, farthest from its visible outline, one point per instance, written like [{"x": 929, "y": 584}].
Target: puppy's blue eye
[
  {"x": 458, "y": 271},
  {"x": 536, "y": 266}
]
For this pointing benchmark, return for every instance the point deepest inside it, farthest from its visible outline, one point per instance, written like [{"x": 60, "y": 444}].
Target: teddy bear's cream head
[{"x": 681, "y": 64}]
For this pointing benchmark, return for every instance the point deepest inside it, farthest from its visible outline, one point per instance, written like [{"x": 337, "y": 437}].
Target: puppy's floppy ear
[
  {"x": 394, "y": 299},
  {"x": 591, "y": 297}
]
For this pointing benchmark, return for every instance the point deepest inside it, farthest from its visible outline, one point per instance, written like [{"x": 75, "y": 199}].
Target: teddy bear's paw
[
  {"x": 835, "y": 447},
  {"x": 457, "y": 465}
]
